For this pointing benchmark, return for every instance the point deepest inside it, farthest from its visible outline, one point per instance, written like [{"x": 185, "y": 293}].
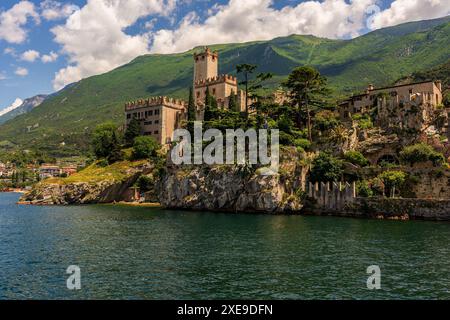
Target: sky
[{"x": 47, "y": 44}]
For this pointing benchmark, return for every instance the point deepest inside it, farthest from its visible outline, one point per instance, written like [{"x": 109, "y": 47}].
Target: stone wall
[{"x": 416, "y": 209}]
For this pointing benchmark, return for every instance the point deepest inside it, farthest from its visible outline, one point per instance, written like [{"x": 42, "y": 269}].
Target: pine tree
[
  {"x": 191, "y": 106},
  {"x": 133, "y": 131}
]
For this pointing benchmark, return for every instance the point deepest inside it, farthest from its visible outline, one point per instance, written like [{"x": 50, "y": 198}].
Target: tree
[
  {"x": 103, "y": 140},
  {"x": 233, "y": 105},
  {"x": 306, "y": 88},
  {"x": 210, "y": 106},
  {"x": 246, "y": 70},
  {"x": 145, "y": 147},
  {"x": 115, "y": 154},
  {"x": 192, "y": 109},
  {"x": 251, "y": 86},
  {"x": 133, "y": 131},
  {"x": 326, "y": 168},
  {"x": 393, "y": 180}
]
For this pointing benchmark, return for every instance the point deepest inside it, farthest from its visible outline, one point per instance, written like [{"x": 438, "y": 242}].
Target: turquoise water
[{"x": 143, "y": 253}]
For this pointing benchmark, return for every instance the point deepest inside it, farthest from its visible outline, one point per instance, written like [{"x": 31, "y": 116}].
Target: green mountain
[{"x": 62, "y": 124}]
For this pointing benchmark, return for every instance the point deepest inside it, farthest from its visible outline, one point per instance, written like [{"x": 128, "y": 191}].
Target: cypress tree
[
  {"x": 233, "y": 106},
  {"x": 133, "y": 131},
  {"x": 116, "y": 151},
  {"x": 191, "y": 106},
  {"x": 208, "y": 106}
]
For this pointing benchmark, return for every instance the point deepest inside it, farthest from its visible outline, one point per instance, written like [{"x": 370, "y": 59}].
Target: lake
[{"x": 146, "y": 253}]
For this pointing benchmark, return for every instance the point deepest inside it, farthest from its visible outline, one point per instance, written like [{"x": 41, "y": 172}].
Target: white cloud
[
  {"x": 249, "y": 20},
  {"x": 94, "y": 38},
  {"x": 10, "y": 51},
  {"x": 17, "y": 103},
  {"x": 12, "y": 22},
  {"x": 51, "y": 57},
  {"x": 2, "y": 75},
  {"x": 54, "y": 10},
  {"x": 402, "y": 11},
  {"x": 21, "y": 72},
  {"x": 30, "y": 56},
  {"x": 241, "y": 21}
]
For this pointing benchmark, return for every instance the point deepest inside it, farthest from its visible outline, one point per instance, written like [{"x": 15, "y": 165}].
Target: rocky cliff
[
  {"x": 94, "y": 185},
  {"x": 234, "y": 189},
  {"x": 214, "y": 188}
]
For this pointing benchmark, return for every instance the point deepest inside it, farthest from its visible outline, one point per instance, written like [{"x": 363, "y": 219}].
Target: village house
[
  {"x": 159, "y": 117},
  {"x": 408, "y": 106},
  {"x": 49, "y": 171}
]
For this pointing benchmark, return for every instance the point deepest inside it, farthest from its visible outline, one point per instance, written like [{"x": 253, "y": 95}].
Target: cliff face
[
  {"x": 214, "y": 188},
  {"x": 104, "y": 185},
  {"x": 232, "y": 189},
  {"x": 79, "y": 193}
]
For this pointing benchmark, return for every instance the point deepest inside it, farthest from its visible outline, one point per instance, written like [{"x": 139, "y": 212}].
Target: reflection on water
[{"x": 144, "y": 253}]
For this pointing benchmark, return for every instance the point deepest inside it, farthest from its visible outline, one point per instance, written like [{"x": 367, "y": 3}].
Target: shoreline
[{"x": 22, "y": 191}]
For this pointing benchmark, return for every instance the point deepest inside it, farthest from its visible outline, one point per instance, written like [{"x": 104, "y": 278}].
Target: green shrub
[
  {"x": 364, "y": 190},
  {"x": 326, "y": 120},
  {"x": 393, "y": 180},
  {"x": 145, "y": 183},
  {"x": 420, "y": 153},
  {"x": 326, "y": 168},
  {"x": 145, "y": 147},
  {"x": 302, "y": 143},
  {"x": 446, "y": 100},
  {"x": 286, "y": 139},
  {"x": 356, "y": 158}
]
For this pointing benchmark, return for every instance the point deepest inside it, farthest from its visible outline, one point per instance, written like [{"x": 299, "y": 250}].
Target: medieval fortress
[
  {"x": 161, "y": 116},
  {"x": 413, "y": 106}
]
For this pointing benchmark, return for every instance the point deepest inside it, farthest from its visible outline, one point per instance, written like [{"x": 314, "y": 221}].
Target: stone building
[
  {"x": 161, "y": 116},
  {"x": 158, "y": 116},
  {"x": 408, "y": 106},
  {"x": 221, "y": 87}
]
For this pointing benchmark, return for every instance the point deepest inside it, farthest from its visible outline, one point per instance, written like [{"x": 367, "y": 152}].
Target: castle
[
  {"x": 161, "y": 116},
  {"x": 409, "y": 106},
  {"x": 221, "y": 87}
]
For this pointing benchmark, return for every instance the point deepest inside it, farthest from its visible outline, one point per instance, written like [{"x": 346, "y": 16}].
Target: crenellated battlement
[
  {"x": 156, "y": 101},
  {"x": 215, "y": 80},
  {"x": 206, "y": 52}
]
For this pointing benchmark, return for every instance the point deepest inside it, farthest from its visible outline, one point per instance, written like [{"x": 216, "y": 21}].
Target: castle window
[
  {"x": 156, "y": 112},
  {"x": 437, "y": 98},
  {"x": 129, "y": 116},
  {"x": 156, "y": 121},
  {"x": 156, "y": 132},
  {"x": 214, "y": 91},
  {"x": 198, "y": 94},
  {"x": 150, "y": 113},
  {"x": 148, "y": 123}
]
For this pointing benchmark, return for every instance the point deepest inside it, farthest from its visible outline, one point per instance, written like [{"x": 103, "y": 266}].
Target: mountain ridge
[{"x": 380, "y": 57}]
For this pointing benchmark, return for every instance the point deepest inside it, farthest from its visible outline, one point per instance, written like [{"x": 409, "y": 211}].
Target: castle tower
[{"x": 206, "y": 65}]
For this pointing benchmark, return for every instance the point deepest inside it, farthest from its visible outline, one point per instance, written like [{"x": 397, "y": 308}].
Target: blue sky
[{"x": 81, "y": 38}]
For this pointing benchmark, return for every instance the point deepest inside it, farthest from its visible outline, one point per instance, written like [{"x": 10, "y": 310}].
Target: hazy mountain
[
  {"x": 20, "y": 107},
  {"x": 380, "y": 57}
]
